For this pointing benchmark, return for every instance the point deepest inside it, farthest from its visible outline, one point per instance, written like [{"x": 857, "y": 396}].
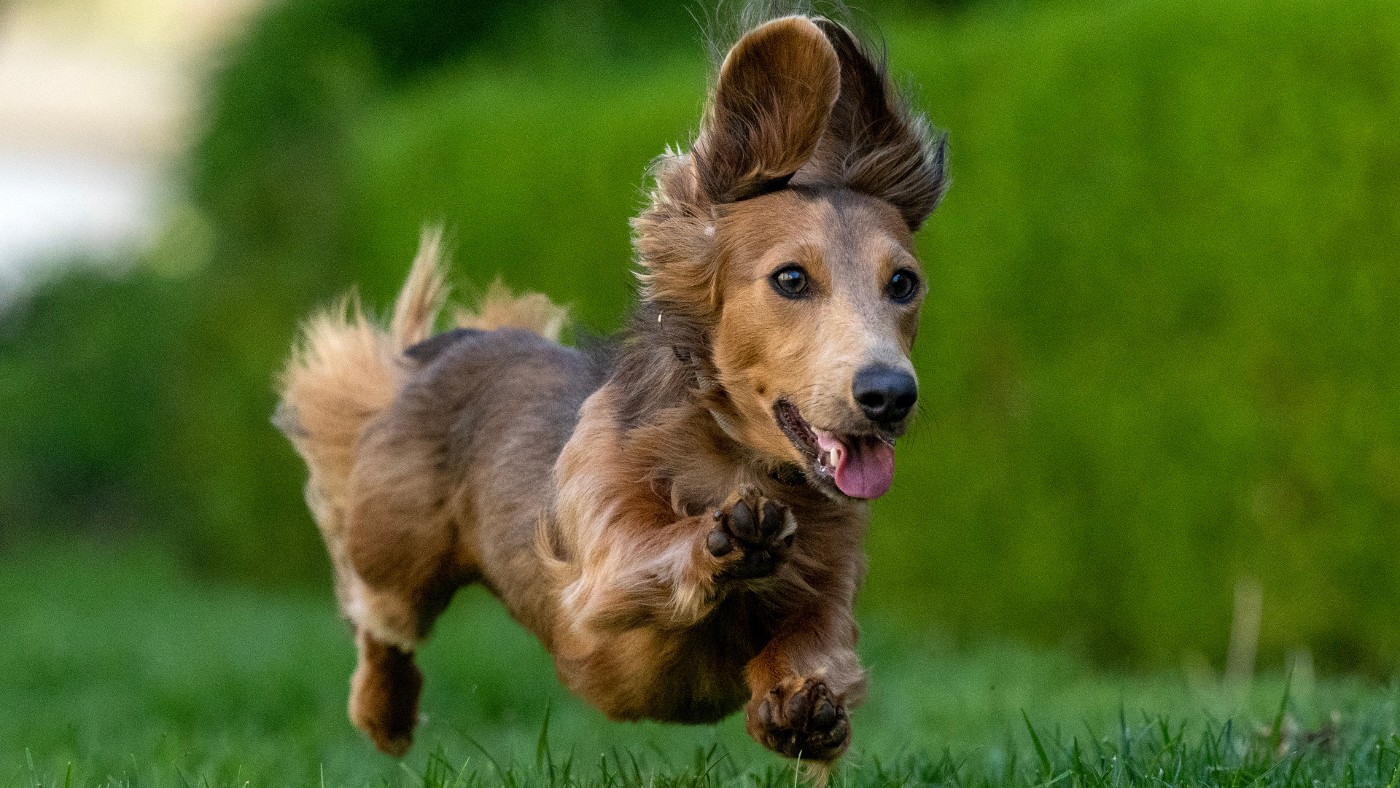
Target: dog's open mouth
[{"x": 861, "y": 466}]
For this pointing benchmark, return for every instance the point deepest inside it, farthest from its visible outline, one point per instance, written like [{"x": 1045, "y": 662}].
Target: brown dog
[{"x": 679, "y": 521}]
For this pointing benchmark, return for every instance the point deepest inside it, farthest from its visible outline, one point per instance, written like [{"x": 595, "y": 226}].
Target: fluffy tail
[
  {"x": 344, "y": 371},
  {"x": 500, "y": 308}
]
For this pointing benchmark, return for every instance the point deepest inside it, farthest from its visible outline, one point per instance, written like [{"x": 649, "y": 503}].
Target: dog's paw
[
  {"x": 800, "y": 718},
  {"x": 751, "y": 537},
  {"x": 384, "y": 698}
]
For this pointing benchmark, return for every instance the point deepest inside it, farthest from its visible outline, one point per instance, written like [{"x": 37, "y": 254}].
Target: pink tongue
[{"x": 864, "y": 468}]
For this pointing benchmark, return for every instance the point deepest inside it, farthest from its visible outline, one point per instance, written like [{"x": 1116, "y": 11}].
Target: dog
[{"x": 678, "y": 519}]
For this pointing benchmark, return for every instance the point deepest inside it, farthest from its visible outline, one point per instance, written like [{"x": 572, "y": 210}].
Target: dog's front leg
[
  {"x": 671, "y": 576},
  {"x": 804, "y": 682}
]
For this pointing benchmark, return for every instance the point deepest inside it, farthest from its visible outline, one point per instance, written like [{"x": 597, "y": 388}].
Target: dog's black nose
[{"x": 885, "y": 394}]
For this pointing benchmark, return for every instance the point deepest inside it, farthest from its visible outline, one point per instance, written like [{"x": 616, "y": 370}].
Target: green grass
[{"x": 119, "y": 670}]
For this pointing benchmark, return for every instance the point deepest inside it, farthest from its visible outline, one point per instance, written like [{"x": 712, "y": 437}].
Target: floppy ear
[
  {"x": 874, "y": 143},
  {"x": 774, "y": 96},
  {"x": 768, "y": 111}
]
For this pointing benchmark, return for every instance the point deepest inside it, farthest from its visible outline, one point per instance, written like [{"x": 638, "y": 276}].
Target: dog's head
[{"x": 778, "y": 252}]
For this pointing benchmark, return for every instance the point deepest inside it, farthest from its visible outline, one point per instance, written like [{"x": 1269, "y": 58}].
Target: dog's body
[{"x": 666, "y": 516}]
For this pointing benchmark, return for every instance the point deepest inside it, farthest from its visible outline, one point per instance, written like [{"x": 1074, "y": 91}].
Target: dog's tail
[
  {"x": 499, "y": 308},
  {"x": 345, "y": 370}
]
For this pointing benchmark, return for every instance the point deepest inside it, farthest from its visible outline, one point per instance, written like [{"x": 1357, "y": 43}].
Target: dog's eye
[
  {"x": 903, "y": 285},
  {"x": 790, "y": 281}
]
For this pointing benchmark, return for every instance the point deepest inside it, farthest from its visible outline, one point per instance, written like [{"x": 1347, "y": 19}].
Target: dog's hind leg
[
  {"x": 384, "y": 694},
  {"x": 404, "y": 553}
]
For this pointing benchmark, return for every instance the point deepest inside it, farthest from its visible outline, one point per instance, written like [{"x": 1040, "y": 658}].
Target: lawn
[{"x": 122, "y": 671}]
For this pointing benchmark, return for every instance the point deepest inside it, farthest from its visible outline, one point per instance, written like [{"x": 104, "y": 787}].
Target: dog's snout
[{"x": 885, "y": 394}]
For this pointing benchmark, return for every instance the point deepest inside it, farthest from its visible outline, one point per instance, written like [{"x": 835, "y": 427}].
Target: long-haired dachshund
[{"x": 678, "y": 520}]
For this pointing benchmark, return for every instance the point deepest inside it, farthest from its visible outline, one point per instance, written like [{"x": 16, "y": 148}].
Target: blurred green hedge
[{"x": 1159, "y": 353}]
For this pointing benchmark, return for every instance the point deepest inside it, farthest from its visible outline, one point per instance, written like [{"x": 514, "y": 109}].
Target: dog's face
[
  {"x": 785, "y": 238},
  {"x": 820, "y": 293}
]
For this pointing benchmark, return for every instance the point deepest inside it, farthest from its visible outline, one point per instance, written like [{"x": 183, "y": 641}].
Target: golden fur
[{"x": 670, "y": 518}]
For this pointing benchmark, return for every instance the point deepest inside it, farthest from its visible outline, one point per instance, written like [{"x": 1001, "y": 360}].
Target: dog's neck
[
  {"x": 664, "y": 364},
  {"x": 664, "y": 371}
]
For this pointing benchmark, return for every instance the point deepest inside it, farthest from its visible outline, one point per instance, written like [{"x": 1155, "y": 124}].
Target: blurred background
[{"x": 1159, "y": 361}]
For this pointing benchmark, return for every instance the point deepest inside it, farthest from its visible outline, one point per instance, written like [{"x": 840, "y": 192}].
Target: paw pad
[
  {"x": 753, "y": 535},
  {"x": 800, "y": 718}
]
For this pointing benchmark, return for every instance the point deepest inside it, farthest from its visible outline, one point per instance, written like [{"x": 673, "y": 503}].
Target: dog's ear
[
  {"x": 874, "y": 143},
  {"x": 769, "y": 108},
  {"x": 771, "y": 104}
]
